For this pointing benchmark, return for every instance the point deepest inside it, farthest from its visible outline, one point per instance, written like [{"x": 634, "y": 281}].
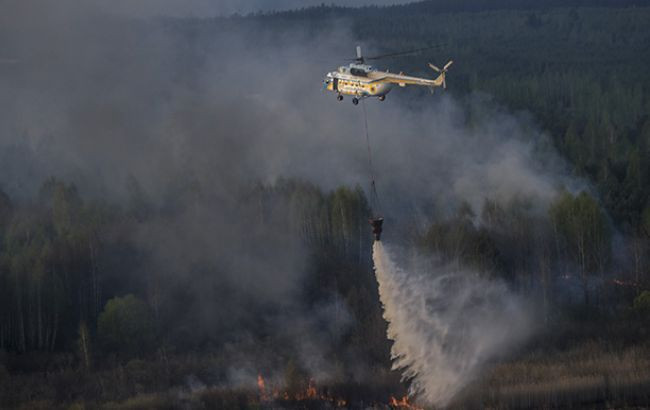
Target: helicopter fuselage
[
  {"x": 361, "y": 80},
  {"x": 358, "y": 80}
]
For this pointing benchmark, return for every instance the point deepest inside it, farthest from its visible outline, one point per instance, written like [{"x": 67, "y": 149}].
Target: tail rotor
[{"x": 442, "y": 72}]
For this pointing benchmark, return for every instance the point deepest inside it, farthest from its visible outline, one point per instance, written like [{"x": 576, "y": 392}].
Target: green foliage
[
  {"x": 49, "y": 268},
  {"x": 584, "y": 232},
  {"x": 126, "y": 326},
  {"x": 583, "y": 226},
  {"x": 459, "y": 241},
  {"x": 641, "y": 304}
]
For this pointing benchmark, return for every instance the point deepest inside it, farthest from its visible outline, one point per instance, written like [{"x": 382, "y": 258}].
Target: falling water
[{"x": 445, "y": 325}]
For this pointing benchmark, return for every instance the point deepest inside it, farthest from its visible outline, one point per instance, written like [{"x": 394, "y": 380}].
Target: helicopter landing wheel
[
  {"x": 382, "y": 97},
  {"x": 339, "y": 97},
  {"x": 355, "y": 101}
]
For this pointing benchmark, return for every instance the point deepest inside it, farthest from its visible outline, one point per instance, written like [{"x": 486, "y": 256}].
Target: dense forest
[
  {"x": 108, "y": 302},
  {"x": 582, "y": 72}
]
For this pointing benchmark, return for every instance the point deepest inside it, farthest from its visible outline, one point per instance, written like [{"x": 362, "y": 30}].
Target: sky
[{"x": 209, "y": 8}]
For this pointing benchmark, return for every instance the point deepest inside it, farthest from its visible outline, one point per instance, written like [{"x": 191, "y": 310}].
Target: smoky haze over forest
[
  {"x": 86, "y": 91},
  {"x": 190, "y": 8},
  {"x": 122, "y": 106}
]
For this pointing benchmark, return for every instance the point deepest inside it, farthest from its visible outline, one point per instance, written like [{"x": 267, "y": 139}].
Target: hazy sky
[{"x": 202, "y": 8}]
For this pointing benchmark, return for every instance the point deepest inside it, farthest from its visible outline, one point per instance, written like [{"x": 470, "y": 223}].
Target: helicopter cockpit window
[{"x": 358, "y": 72}]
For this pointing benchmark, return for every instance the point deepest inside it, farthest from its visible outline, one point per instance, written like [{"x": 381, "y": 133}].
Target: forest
[{"x": 138, "y": 302}]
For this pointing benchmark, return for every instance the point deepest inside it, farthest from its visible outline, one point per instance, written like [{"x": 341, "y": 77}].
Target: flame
[
  {"x": 403, "y": 403},
  {"x": 310, "y": 393},
  {"x": 311, "y": 389},
  {"x": 261, "y": 385}
]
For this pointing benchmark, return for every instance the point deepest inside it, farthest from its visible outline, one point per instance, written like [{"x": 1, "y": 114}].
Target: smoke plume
[
  {"x": 445, "y": 324},
  {"x": 189, "y": 113}
]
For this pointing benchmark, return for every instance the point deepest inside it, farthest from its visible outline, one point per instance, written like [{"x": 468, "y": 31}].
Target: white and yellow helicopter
[{"x": 361, "y": 80}]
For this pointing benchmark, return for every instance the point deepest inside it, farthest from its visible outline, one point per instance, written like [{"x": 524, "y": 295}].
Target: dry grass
[
  {"x": 589, "y": 376},
  {"x": 142, "y": 402}
]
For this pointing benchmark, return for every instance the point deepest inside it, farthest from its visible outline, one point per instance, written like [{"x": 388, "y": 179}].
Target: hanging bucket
[{"x": 376, "y": 224}]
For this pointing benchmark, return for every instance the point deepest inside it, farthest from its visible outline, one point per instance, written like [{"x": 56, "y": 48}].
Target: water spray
[{"x": 446, "y": 324}]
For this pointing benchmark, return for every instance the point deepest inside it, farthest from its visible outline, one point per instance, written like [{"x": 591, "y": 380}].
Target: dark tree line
[
  {"x": 50, "y": 267},
  {"x": 538, "y": 253},
  {"x": 73, "y": 278},
  {"x": 65, "y": 260}
]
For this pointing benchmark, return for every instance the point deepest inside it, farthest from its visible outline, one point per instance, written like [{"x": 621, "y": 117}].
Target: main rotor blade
[
  {"x": 401, "y": 53},
  {"x": 358, "y": 51}
]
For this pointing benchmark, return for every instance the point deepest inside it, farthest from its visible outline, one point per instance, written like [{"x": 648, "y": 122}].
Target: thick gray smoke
[
  {"x": 445, "y": 324},
  {"x": 191, "y": 111},
  {"x": 223, "y": 106}
]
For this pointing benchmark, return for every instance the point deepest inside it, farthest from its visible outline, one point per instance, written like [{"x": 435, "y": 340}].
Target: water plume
[{"x": 445, "y": 324}]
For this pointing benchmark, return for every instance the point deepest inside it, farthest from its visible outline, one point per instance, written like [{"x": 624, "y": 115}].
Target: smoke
[
  {"x": 190, "y": 114},
  {"x": 445, "y": 324},
  {"x": 180, "y": 8},
  {"x": 223, "y": 105},
  {"x": 209, "y": 8}
]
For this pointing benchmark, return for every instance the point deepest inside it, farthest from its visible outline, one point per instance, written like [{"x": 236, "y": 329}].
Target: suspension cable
[{"x": 374, "y": 198}]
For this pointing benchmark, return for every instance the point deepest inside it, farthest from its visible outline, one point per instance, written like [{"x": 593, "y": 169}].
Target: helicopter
[{"x": 361, "y": 80}]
